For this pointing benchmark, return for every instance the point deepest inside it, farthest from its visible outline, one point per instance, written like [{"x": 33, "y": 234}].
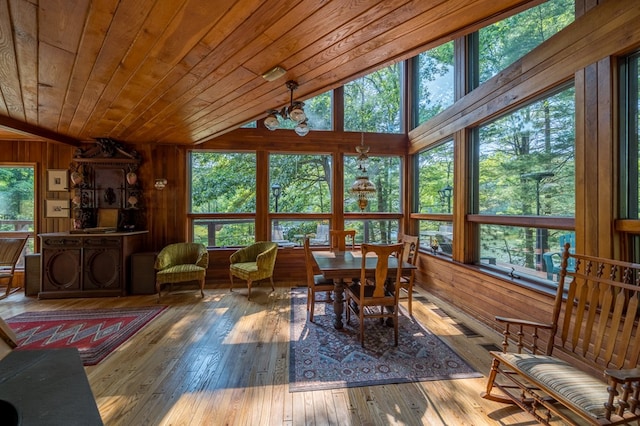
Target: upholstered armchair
[
  {"x": 254, "y": 263},
  {"x": 181, "y": 262}
]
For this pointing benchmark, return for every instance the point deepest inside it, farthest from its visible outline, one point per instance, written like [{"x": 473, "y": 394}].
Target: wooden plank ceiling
[{"x": 186, "y": 71}]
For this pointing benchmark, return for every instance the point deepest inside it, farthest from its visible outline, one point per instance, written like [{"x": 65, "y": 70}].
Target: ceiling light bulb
[
  {"x": 271, "y": 122},
  {"x": 302, "y": 129},
  {"x": 297, "y": 113}
]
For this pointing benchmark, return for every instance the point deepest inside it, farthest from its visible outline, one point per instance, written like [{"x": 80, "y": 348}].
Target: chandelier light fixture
[
  {"x": 294, "y": 112},
  {"x": 363, "y": 189}
]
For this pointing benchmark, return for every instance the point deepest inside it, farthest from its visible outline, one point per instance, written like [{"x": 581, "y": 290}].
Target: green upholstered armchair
[
  {"x": 181, "y": 262},
  {"x": 254, "y": 263}
]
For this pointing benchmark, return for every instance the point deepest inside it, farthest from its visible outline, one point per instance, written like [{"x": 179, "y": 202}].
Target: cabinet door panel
[
  {"x": 61, "y": 269},
  {"x": 102, "y": 269}
]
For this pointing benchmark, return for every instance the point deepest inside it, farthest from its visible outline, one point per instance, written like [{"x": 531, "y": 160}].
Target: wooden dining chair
[
  {"x": 342, "y": 240},
  {"x": 411, "y": 244},
  {"x": 315, "y": 283},
  {"x": 10, "y": 252},
  {"x": 365, "y": 297}
]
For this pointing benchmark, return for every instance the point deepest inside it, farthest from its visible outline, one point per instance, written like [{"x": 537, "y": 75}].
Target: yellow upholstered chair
[
  {"x": 181, "y": 262},
  {"x": 315, "y": 283},
  {"x": 254, "y": 263},
  {"x": 410, "y": 255},
  {"x": 10, "y": 251},
  {"x": 364, "y": 297}
]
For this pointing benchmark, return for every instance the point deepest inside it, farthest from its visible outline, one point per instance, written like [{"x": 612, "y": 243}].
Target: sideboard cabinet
[{"x": 87, "y": 265}]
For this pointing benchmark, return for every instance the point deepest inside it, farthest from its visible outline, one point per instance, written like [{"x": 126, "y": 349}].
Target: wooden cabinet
[{"x": 87, "y": 265}]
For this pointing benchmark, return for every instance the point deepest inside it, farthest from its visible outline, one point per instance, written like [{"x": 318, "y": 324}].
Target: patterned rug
[
  {"x": 96, "y": 332},
  {"x": 322, "y": 357}
]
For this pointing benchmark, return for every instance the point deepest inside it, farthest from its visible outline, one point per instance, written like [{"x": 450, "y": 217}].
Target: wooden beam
[{"x": 40, "y": 133}]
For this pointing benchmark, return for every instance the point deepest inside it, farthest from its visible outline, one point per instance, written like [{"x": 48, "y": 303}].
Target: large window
[
  {"x": 504, "y": 42},
  {"x": 630, "y": 146},
  {"x": 384, "y": 173},
  {"x": 17, "y": 206},
  {"x": 223, "y": 198},
  {"x": 435, "y": 196},
  {"x": 373, "y": 103},
  {"x": 433, "y": 71},
  {"x": 379, "y": 221},
  {"x": 526, "y": 170},
  {"x": 300, "y": 197}
]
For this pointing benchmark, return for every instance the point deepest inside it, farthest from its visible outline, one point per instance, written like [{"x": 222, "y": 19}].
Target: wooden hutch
[{"x": 108, "y": 226}]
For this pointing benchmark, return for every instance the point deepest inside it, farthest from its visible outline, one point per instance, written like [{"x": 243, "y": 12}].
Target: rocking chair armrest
[
  {"x": 626, "y": 375},
  {"x": 518, "y": 321}
]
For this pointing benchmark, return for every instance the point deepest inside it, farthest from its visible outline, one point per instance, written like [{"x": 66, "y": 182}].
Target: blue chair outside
[{"x": 552, "y": 259}]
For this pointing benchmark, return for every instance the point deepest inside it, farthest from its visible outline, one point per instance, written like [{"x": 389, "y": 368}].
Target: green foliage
[
  {"x": 223, "y": 182},
  {"x": 16, "y": 194},
  {"x": 434, "y": 81},
  {"x": 504, "y": 42},
  {"x": 304, "y": 181},
  {"x": 372, "y": 103}
]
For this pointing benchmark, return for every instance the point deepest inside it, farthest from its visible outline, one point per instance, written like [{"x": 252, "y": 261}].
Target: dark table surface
[{"x": 47, "y": 387}]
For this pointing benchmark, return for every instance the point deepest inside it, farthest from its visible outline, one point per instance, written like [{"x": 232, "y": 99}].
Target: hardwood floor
[{"x": 223, "y": 360}]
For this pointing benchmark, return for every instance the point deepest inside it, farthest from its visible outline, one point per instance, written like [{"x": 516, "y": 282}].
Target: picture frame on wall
[
  {"x": 56, "y": 208},
  {"x": 57, "y": 180}
]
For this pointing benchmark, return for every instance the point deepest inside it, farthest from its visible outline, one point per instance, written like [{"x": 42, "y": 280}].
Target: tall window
[
  {"x": 223, "y": 198},
  {"x": 630, "y": 146},
  {"x": 434, "y": 91},
  {"x": 17, "y": 206},
  {"x": 373, "y": 103},
  {"x": 435, "y": 196},
  {"x": 300, "y": 197},
  {"x": 504, "y": 42},
  {"x": 379, "y": 221},
  {"x": 526, "y": 169}
]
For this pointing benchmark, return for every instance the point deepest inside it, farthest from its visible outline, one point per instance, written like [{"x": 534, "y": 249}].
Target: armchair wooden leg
[
  {"x": 249, "y": 293},
  {"x": 158, "y": 290},
  {"x": 202, "y": 288},
  {"x": 231, "y": 280},
  {"x": 272, "y": 287}
]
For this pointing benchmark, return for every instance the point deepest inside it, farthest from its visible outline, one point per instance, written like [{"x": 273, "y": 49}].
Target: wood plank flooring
[{"x": 223, "y": 360}]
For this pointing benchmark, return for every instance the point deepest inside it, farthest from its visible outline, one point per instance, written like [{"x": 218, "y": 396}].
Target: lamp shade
[
  {"x": 364, "y": 190},
  {"x": 271, "y": 122},
  {"x": 296, "y": 113},
  {"x": 302, "y": 129}
]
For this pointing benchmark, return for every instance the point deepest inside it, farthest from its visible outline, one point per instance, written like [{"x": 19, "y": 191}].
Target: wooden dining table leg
[{"x": 338, "y": 306}]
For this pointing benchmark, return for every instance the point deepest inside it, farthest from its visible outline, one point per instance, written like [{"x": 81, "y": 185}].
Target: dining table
[{"x": 341, "y": 265}]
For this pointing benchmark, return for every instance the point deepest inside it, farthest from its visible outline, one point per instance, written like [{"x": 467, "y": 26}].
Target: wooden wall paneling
[
  {"x": 263, "y": 192},
  {"x": 482, "y": 295},
  {"x": 170, "y": 30},
  {"x": 98, "y": 22},
  {"x": 55, "y": 63},
  {"x": 463, "y": 232},
  {"x": 167, "y": 208},
  {"x": 608, "y": 148},
  {"x": 591, "y": 162},
  {"x": 124, "y": 24},
  {"x": 10, "y": 100},
  {"x": 25, "y": 26}
]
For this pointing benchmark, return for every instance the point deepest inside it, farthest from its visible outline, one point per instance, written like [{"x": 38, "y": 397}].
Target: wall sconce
[{"x": 160, "y": 183}]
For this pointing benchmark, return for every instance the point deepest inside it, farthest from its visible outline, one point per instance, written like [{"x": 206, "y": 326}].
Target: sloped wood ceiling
[{"x": 186, "y": 71}]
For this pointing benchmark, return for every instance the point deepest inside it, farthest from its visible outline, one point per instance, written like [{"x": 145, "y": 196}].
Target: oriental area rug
[
  {"x": 95, "y": 332},
  {"x": 322, "y": 357}
]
